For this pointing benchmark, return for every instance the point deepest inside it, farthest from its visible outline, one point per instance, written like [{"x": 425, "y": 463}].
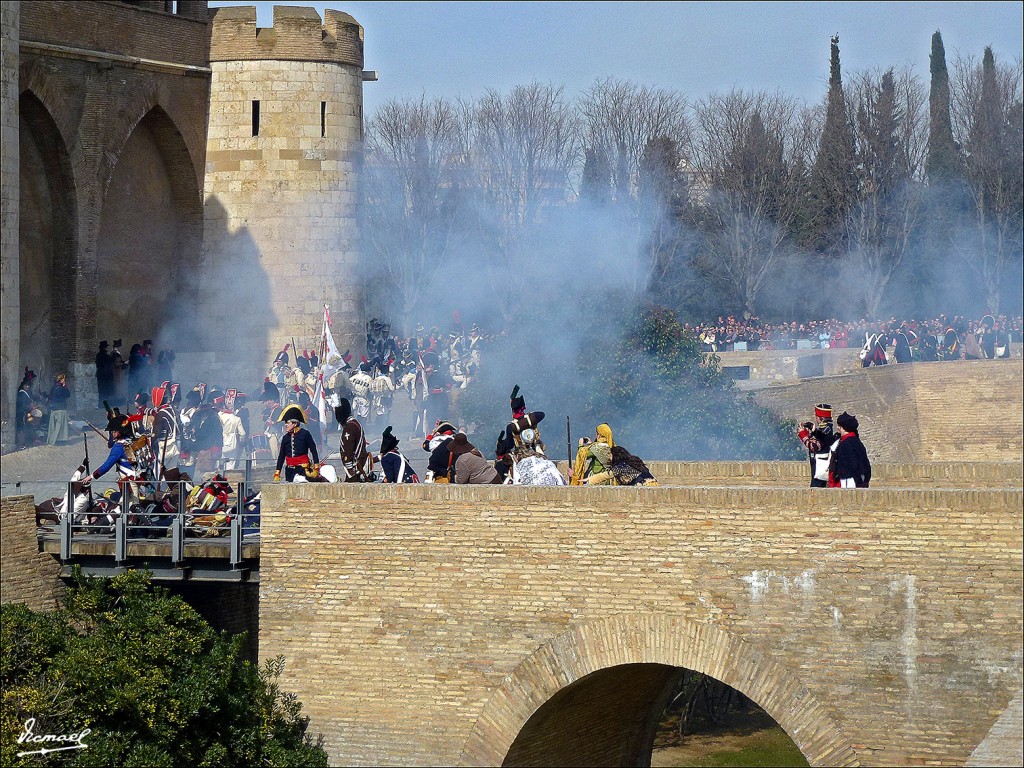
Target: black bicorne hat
[
  {"x": 292, "y": 412},
  {"x": 117, "y": 422},
  {"x": 343, "y": 411},
  {"x": 270, "y": 392},
  {"x": 388, "y": 441}
]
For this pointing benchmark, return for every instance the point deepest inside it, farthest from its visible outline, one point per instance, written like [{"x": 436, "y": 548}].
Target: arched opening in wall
[
  {"x": 150, "y": 240},
  {"x": 629, "y": 715},
  {"x": 46, "y": 242}
]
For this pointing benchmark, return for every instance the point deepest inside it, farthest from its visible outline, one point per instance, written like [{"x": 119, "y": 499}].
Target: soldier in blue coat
[{"x": 298, "y": 452}]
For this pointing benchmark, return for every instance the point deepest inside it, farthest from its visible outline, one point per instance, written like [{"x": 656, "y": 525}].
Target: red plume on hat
[{"x": 157, "y": 395}]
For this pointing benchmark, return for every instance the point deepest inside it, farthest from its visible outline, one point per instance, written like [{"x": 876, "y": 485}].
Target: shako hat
[
  {"x": 388, "y": 441},
  {"x": 823, "y": 411},
  {"x": 292, "y": 412}
]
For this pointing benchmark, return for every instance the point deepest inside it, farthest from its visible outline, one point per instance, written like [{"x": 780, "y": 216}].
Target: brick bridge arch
[{"x": 655, "y": 640}]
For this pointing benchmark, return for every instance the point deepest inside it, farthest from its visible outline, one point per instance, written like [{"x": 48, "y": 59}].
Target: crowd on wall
[{"x": 729, "y": 333}]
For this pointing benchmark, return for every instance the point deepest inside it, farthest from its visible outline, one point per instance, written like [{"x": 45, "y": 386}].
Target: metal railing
[{"x": 185, "y": 513}]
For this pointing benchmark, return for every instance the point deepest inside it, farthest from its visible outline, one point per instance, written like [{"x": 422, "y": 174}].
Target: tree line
[{"x": 892, "y": 196}]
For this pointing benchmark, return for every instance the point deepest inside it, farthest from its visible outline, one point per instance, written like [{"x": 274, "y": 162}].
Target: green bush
[{"x": 155, "y": 684}]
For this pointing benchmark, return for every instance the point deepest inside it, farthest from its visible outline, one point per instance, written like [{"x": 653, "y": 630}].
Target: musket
[
  {"x": 88, "y": 470},
  {"x": 96, "y": 430}
]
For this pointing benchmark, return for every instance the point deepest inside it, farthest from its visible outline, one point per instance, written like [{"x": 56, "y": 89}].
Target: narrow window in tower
[
  {"x": 255, "y": 118},
  {"x": 323, "y": 118}
]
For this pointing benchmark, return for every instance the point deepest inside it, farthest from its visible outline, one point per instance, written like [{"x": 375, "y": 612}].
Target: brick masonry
[
  {"x": 26, "y": 575},
  {"x": 427, "y": 625},
  {"x": 970, "y": 410}
]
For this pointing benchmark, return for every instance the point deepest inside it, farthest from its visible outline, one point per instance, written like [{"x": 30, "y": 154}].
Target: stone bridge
[{"x": 443, "y": 625}]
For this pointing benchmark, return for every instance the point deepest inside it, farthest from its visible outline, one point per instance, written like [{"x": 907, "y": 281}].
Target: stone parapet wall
[
  {"x": 297, "y": 35},
  {"x": 970, "y": 410},
  {"x": 26, "y": 575},
  {"x": 936, "y": 474},
  {"x": 772, "y": 366},
  {"x": 426, "y": 624}
]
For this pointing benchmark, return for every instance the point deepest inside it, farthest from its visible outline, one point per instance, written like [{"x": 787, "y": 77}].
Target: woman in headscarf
[{"x": 593, "y": 457}]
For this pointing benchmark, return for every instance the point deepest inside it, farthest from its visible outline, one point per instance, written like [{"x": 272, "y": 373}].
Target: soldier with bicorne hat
[
  {"x": 298, "y": 454},
  {"x": 820, "y": 439}
]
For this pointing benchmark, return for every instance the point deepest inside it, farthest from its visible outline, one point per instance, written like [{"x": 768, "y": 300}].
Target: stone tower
[{"x": 282, "y": 165}]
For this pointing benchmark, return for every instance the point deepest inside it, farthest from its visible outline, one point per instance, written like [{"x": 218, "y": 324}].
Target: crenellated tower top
[{"x": 298, "y": 34}]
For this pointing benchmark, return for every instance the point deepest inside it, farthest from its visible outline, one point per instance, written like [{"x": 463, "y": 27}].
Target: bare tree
[
  {"x": 620, "y": 118},
  {"x": 416, "y": 155},
  {"x": 525, "y": 145},
  {"x": 745, "y": 150},
  {"x": 987, "y": 115},
  {"x": 890, "y": 127}
]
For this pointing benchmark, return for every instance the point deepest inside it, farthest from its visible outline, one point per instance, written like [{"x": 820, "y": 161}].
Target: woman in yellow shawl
[{"x": 594, "y": 457}]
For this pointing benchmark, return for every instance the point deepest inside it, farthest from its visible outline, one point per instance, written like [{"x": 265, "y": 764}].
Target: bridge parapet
[
  {"x": 890, "y": 475},
  {"x": 411, "y": 615}
]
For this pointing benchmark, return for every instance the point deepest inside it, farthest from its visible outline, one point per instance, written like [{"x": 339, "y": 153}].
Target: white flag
[
  {"x": 319, "y": 402},
  {"x": 330, "y": 360}
]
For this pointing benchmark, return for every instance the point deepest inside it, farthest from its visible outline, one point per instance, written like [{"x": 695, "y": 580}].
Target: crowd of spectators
[{"x": 730, "y": 334}]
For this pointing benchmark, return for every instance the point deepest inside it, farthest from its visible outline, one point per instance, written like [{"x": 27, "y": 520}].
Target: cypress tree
[
  {"x": 596, "y": 183},
  {"x": 985, "y": 143},
  {"x": 943, "y": 163},
  {"x": 833, "y": 180}
]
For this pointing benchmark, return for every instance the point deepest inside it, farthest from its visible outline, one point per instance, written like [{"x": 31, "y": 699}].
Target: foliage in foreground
[
  {"x": 663, "y": 398},
  {"x": 155, "y": 684}
]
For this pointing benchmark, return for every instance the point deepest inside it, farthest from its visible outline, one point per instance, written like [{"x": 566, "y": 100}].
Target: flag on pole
[
  {"x": 319, "y": 402},
  {"x": 330, "y": 357}
]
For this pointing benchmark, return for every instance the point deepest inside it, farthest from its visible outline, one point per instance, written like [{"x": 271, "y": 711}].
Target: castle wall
[
  {"x": 281, "y": 185},
  {"x": 26, "y": 575},
  {"x": 113, "y": 137},
  {"x": 968, "y": 410},
  {"x": 10, "y": 301},
  {"x": 425, "y": 625}
]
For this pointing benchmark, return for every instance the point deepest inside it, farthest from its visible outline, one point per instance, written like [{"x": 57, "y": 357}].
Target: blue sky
[{"x": 460, "y": 48}]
